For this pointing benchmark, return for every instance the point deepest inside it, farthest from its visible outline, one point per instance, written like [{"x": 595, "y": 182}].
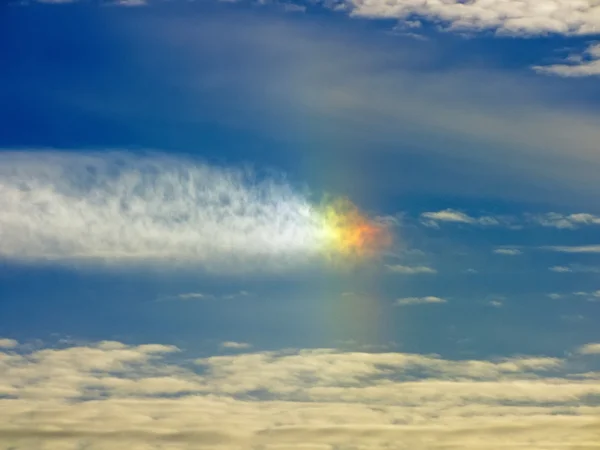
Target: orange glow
[{"x": 350, "y": 233}]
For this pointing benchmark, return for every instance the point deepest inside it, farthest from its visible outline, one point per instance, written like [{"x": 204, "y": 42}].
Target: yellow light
[{"x": 350, "y": 233}]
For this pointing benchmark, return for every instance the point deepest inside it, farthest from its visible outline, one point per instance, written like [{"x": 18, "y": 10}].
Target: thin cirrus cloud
[
  {"x": 293, "y": 399},
  {"x": 121, "y": 209}
]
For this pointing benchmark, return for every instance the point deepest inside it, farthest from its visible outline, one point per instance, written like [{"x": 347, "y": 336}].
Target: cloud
[
  {"x": 589, "y": 349},
  {"x": 572, "y": 248},
  {"x": 410, "y": 270},
  {"x": 585, "y": 64},
  {"x": 508, "y": 251},
  {"x": 111, "y": 395},
  {"x": 572, "y": 268},
  {"x": 231, "y": 345},
  {"x": 555, "y": 296},
  {"x": 8, "y": 343},
  {"x": 454, "y": 216},
  {"x": 560, "y": 269},
  {"x": 194, "y": 296},
  {"x": 548, "y": 220},
  {"x": 511, "y": 139},
  {"x": 590, "y": 296},
  {"x": 563, "y": 221},
  {"x": 130, "y": 2},
  {"x": 496, "y": 303},
  {"x": 119, "y": 209},
  {"x": 418, "y": 301},
  {"x": 514, "y": 17}
]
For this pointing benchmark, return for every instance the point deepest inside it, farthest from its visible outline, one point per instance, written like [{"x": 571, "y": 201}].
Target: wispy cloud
[
  {"x": 572, "y": 248},
  {"x": 590, "y": 296},
  {"x": 188, "y": 296},
  {"x": 121, "y": 209},
  {"x": 514, "y": 17},
  {"x": 560, "y": 269},
  {"x": 583, "y": 64},
  {"x": 575, "y": 268},
  {"x": 410, "y": 270},
  {"x": 548, "y": 220},
  {"x": 453, "y": 216},
  {"x": 419, "y": 301},
  {"x": 563, "y": 221},
  {"x": 194, "y": 296},
  {"x": 508, "y": 251},
  {"x": 232, "y": 345}
]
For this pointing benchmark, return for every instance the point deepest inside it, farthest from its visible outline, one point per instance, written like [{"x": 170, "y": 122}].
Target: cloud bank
[
  {"x": 117, "y": 208},
  {"x": 110, "y": 395}
]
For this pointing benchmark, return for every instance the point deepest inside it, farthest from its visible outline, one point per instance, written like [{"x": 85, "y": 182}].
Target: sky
[{"x": 286, "y": 225}]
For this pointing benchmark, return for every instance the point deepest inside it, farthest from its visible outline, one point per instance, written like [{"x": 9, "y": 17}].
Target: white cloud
[
  {"x": 549, "y": 220},
  {"x": 515, "y": 17},
  {"x": 563, "y": 221},
  {"x": 573, "y": 248},
  {"x": 232, "y": 345},
  {"x": 555, "y": 296},
  {"x": 419, "y": 300},
  {"x": 576, "y": 65},
  {"x": 116, "y": 396},
  {"x": 195, "y": 296},
  {"x": 130, "y": 2},
  {"x": 454, "y": 216},
  {"x": 589, "y": 349},
  {"x": 508, "y": 251},
  {"x": 120, "y": 209},
  {"x": 580, "y": 268},
  {"x": 496, "y": 303},
  {"x": 410, "y": 270},
  {"x": 560, "y": 269},
  {"x": 590, "y": 296}
]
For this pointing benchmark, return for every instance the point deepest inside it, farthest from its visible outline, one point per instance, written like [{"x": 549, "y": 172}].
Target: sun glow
[{"x": 351, "y": 234}]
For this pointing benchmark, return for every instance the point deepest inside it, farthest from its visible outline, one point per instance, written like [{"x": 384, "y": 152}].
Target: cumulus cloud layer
[
  {"x": 115, "y": 396},
  {"x": 520, "y": 17},
  {"x": 118, "y": 208}
]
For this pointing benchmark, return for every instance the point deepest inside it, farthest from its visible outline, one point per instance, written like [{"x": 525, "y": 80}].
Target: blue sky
[{"x": 164, "y": 275}]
